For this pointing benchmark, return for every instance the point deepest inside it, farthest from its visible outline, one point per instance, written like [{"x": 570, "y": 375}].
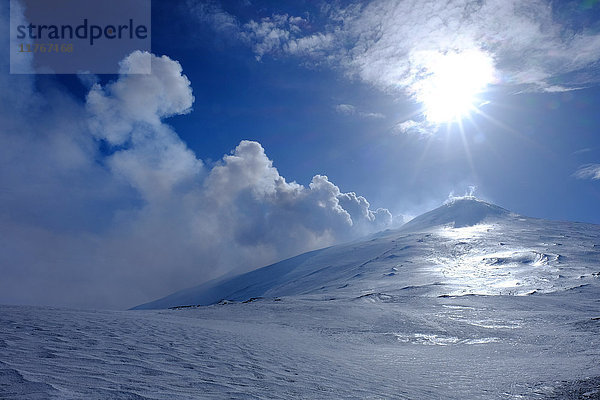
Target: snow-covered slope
[
  {"x": 458, "y": 213},
  {"x": 373, "y": 347},
  {"x": 468, "y": 301},
  {"x": 464, "y": 247}
]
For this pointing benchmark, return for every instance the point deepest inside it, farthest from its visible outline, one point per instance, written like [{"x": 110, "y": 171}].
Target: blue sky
[
  {"x": 288, "y": 104},
  {"x": 271, "y": 128}
]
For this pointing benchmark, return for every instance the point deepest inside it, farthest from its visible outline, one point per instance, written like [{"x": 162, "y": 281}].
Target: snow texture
[{"x": 469, "y": 301}]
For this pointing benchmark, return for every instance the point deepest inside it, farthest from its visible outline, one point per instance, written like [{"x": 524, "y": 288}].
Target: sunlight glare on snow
[{"x": 467, "y": 232}]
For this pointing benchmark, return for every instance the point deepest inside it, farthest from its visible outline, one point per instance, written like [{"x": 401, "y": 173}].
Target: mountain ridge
[
  {"x": 460, "y": 212},
  {"x": 466, "y": 246}
]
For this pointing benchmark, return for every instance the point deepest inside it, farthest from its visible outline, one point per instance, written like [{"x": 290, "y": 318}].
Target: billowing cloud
[
  {"x": 588, "y": 171},
  {"x": 262, "y": 209},
  {"x": 103, "y": 205},
  {"x": 138, "y": 98},
  {"x": 129, "y": 111}
]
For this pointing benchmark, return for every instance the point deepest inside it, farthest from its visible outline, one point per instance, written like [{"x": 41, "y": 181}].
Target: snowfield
[{"x": 468, "y": 301}]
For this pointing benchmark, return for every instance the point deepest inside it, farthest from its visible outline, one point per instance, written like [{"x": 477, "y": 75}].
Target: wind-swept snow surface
[
  {"x": 375, "y": 346},
  {"x": 469, "y": 301}
]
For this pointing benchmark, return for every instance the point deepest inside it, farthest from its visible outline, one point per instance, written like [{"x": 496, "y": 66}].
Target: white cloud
[
  {"x": 407, "y": 126},
  {"x": 415, "y": 127},
  {"x": 588, "y": 171},
  {"x": 397, "y": 46},
  {"x": 138, "y": 99},
  {"x": 211, "y": 14},
  {"x": 264, "y": 209},
  {"x": 386, "y": 42},
  {"x": 371, "y": 115},
  {"x": 277, "y": 34},
  {"x": 284, "y": 34},
  {"x": 349, "y": 109},
  {"x": 313, "y": 45},
  {"x": 269, "y": 35},
  {"x": 393, "y": 45},
  {"x": 129, "y": 111},
  {"x": 143, "y": 216},
  {"x": 528, "y": 45},
  {"x": 584, "y": 150}
]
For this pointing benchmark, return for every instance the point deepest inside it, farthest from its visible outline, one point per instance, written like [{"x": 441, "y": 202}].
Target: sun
[{"x": 451, "y": 83}]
